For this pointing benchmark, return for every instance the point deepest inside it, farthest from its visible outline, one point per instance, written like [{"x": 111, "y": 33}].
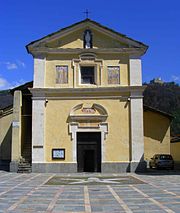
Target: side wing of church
[{"x": 87, "y": 102}]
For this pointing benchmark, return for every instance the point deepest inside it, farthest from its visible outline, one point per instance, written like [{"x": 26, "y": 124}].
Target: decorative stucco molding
[
  {"x": 96, "y": 113},
  {"x": 74, "y": 127}
]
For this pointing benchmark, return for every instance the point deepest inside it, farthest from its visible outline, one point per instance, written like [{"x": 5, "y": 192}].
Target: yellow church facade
[
  {"x": 87, "y": 110},
  {"x": 84, "y": 111}
]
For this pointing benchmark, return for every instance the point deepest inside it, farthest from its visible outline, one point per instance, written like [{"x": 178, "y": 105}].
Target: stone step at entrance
[
  {"x": 24, "y": 167},
  {"x": 27, "y": 152}
]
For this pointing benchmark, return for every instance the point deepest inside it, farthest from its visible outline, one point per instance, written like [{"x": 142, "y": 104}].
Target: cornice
[
  {"x": 47, "y": 50},
  {"x": 99, "y": 92},
  {"x": 75, "y": 118}
]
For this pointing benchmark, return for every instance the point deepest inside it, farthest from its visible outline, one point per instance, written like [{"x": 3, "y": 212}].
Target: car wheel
[{"x": 157, "y": 167}]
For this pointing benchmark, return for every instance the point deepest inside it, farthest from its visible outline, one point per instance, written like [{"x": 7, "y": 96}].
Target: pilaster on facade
[
  {"x": 39, "y": 71},
  {"x": 135, "y": 71},
  {"x": 137, "y": 135},
  {"x": 38, "y": 131}
]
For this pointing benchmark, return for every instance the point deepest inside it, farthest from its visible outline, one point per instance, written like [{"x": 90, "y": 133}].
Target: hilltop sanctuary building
[{"x": 87, "y": 103}]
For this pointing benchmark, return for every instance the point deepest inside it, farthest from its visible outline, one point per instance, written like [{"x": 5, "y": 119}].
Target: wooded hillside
[
  {"x": 165, "y": 97},
  {"x": 6, "y": 99}
]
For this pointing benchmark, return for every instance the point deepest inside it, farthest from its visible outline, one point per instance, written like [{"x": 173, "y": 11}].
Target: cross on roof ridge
[{"x": 87, "y": 12}]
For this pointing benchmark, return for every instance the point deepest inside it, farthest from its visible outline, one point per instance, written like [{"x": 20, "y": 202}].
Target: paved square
[{"x": 156, "y": 192}]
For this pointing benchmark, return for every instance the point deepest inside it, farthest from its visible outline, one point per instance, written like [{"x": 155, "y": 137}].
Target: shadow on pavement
[{"x": 160, "y": 172}]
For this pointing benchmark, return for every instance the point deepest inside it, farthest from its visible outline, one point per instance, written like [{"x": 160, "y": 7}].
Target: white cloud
[
  {"x": 175, "y": 78},
  {"x": 13, "y": 65},
  {"x": 21, "y": 63},
  {"x": 4, "y": 84}
]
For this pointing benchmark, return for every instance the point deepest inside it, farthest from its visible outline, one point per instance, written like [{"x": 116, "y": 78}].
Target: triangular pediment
[
  {"x": 72, "y": 37},
  {"x": 75, "y": 40}
]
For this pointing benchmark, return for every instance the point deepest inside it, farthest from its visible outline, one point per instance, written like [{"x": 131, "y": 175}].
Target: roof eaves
[
  {"x": 22, "y": 87},
  {"x": 175, "y": 139},
  {"x": 170, "y": 116},
  {"x": 51, "y": 34},
  {"x": 120, "y": 34}
]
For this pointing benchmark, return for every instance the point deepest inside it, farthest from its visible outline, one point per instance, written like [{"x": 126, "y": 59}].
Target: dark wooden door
[
  {"x": 89, "y": 160},
  {"x": 89, "y": 152}
]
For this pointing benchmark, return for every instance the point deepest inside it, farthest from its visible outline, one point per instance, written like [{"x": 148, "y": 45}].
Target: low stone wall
[{"x": 54, "y": 167}]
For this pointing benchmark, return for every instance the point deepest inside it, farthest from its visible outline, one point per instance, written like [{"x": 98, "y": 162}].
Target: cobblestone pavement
[{"x": 156, "y": 192}]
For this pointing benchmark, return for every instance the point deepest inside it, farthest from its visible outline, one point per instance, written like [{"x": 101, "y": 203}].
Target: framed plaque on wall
[{"x": 58, "y": 154}]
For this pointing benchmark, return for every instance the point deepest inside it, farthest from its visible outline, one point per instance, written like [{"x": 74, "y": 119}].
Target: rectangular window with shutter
[
  {"x": 61, "y": 74},
  {"x": 113, "y": 75}
]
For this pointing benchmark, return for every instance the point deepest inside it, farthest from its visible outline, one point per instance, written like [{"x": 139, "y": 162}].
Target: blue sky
[{"x": 154, "y": 22}]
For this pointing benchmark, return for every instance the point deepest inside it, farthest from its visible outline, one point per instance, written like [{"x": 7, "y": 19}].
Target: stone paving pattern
[{"x": 29, "y": 193}]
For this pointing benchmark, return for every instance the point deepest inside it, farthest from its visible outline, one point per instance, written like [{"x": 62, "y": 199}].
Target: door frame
[{"x": 74, "y": 128}]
